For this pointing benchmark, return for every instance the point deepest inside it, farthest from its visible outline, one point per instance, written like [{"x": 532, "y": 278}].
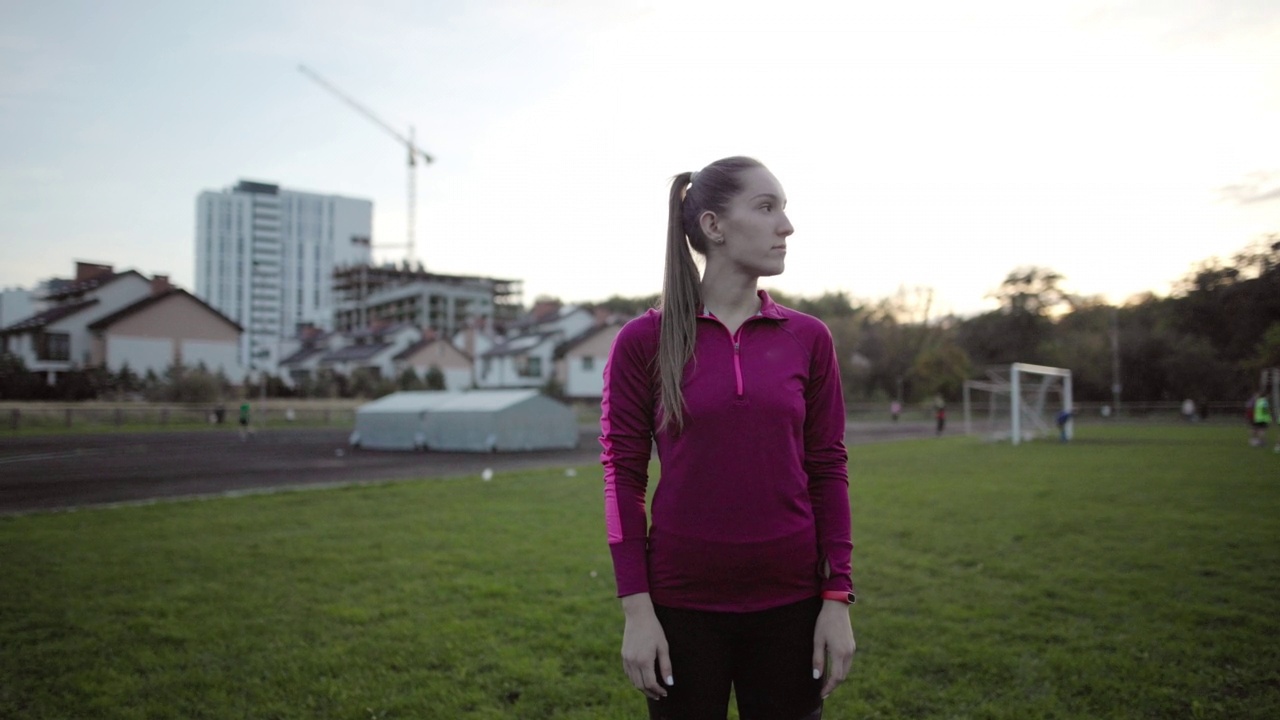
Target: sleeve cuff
[{"x": 631, "y": 566}]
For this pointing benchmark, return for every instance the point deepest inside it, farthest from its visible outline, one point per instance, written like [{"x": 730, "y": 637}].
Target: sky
[{"x": 927, "y": 144}]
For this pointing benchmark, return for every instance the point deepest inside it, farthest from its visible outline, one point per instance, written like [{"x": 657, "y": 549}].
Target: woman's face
[{"x": 755, "y": 226}]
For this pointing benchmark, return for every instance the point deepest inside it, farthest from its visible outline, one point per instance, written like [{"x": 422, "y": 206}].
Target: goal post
[{"x": 1019, "y": 402}]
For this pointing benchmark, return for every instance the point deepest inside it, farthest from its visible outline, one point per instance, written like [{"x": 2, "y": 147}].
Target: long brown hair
[{"x": 692, "y": 194}]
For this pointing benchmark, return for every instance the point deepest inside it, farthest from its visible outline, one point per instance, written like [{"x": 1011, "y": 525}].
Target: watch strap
[{"x": 843, "y": 596}]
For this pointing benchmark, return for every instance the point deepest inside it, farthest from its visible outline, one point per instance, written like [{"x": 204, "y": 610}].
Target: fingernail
[
  {"x": 817, "y": 673},
  {"x": 671, "y": 680}
]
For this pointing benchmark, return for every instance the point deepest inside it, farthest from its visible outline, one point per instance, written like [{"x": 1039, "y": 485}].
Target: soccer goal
[{"x": 1022, "y": 402}]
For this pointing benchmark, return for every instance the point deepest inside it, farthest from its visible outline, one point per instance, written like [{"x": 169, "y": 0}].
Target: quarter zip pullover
[{"x": 752, "y": 504}]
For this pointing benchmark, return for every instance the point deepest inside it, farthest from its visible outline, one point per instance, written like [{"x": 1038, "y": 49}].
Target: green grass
[{"x": 1134, "y": 573}]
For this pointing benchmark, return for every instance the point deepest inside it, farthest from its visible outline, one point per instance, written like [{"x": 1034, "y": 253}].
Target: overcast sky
[{"x": 937, "y": 144}]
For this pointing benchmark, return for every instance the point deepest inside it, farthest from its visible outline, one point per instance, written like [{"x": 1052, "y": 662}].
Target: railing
[{"x": 94, "y": 416}]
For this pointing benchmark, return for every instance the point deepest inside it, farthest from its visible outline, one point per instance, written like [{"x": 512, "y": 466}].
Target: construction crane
[{"x": 414, "y": 152}]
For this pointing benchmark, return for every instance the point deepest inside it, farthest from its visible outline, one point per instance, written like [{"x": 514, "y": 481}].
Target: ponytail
[
  {"x": 681, "y": 299},
  {"x": 709, "y": 189}
]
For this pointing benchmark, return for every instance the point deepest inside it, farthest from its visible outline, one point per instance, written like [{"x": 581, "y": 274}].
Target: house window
[
  {"x": 54, "y": 346},
  {"x": 588, "y": 362},
  {"x": 530, "y": 367}
]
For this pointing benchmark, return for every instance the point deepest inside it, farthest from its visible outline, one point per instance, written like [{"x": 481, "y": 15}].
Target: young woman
[{"x": 743, "y": 578}]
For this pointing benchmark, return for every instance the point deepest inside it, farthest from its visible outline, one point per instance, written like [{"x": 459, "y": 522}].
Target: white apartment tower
[{"x": 265, "y": 258}]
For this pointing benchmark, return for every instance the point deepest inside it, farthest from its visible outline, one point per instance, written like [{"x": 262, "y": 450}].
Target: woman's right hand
[{"x": 644, "y": 647}]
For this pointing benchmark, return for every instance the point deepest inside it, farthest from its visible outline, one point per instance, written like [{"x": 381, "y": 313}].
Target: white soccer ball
[{"x": 487, "y": 475}]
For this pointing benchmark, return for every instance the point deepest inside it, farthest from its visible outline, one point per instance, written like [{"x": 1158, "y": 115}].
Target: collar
[{"x": 768, "y": 308}]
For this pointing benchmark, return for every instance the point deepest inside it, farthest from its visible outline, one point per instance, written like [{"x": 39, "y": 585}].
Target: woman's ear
[{"x": 711, "y": 227}]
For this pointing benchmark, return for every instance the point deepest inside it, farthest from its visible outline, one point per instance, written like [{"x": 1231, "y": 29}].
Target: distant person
[
  {"x": 246, "y": 426},
  {"x": 1189, "y": 410},
  {"x": 895, "y": 409},
  {"x": 1260, "y": 419},
  {"x": 940, "y": 413},
  {"x": 1064, "y": 419},
  {"x": 740, "y": 579}
]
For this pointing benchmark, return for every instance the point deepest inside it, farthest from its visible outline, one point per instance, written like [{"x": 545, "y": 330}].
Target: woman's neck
[{"x": 730, "y": 298}]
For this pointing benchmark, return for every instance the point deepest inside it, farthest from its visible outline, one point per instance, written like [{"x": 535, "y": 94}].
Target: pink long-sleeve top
[{"x": 752, "y": 508}]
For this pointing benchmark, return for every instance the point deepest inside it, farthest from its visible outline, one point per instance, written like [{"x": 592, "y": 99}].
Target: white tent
[{"x": 474, "y": 421}]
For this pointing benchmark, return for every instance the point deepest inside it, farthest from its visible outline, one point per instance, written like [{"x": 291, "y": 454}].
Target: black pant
[{"x": 766, "y": 657}]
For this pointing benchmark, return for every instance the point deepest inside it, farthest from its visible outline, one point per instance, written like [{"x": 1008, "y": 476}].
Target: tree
[
  {"x": 435, "y": 378},
  {"x": 553, "y": 388},
  {"x": 628, "y": 307},
  {"x": 16, "y": 381},
  {"x": 127, "y": 382},
  {"x": 942, "y": 369},
  {"x": 1032, "y": 290},
  {"x": 409, "y": 380},
  {"x": 1267, "y": 352}
]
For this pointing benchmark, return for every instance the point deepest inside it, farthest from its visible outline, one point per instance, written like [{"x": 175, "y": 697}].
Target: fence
[
  {"x": 1158, "y": 411},
  {"x": 90, "y": 417},
  {"x": 280, "y": 413}
]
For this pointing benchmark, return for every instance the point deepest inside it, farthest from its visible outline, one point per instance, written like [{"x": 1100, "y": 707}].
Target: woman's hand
[
  {"x": 644, "y": 647},
  {"x": 833, "y": 645}
]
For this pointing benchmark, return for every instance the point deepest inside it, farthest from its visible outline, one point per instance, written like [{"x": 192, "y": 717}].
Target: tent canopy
[{"x": 472, "y": 421}]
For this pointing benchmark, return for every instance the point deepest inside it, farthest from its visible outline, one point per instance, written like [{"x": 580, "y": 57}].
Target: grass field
[{"x": 1134, "y": 573}]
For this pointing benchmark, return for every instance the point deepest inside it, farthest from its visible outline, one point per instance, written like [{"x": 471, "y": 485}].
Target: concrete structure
[
  {"x": 16, "y": 304},
  {"x": 265, "y": 258},
  {"x": 479, "y": 421},
  {"x": 368, "y": 296}
]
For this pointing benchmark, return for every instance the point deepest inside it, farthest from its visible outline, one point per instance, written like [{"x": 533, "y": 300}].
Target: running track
[{"x": 65, "y": 471}]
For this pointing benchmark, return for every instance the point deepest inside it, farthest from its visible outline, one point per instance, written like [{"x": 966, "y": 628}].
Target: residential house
[
  {"x": 433, "y": 352},
  {"x": 580, "y": 361},
  {"x": 526, "y": 357},
  {"x": 169, "y": 327},
  {"x": 82, "y": 323},
  {"x": 301, "y": 354}
]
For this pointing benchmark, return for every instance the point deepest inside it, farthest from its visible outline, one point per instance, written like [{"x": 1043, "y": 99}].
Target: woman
[{"x": 743, "y": 579}]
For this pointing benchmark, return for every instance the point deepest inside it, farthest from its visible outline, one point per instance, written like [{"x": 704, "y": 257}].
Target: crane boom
[{"x": 414, "y": 152}]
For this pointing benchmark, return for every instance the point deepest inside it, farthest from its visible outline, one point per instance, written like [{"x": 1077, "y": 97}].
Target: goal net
[{"x": 1019, "y": 402}]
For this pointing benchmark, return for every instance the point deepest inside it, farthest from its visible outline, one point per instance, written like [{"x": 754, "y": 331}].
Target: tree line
[
  {"x": 1207, "y": 340},
  {"x": 198, "y": 384}
]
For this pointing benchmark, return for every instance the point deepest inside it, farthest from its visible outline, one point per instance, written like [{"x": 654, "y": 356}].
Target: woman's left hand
[{"x": 833, "y": 644}]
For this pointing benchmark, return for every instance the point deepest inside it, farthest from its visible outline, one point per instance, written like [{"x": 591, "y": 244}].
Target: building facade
[
  {"x": 367, "y": 296},
  {"x": 15, "y": 304},
  {"x": 107, "y": 319},
  {"x": 265, "y": 258}
]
